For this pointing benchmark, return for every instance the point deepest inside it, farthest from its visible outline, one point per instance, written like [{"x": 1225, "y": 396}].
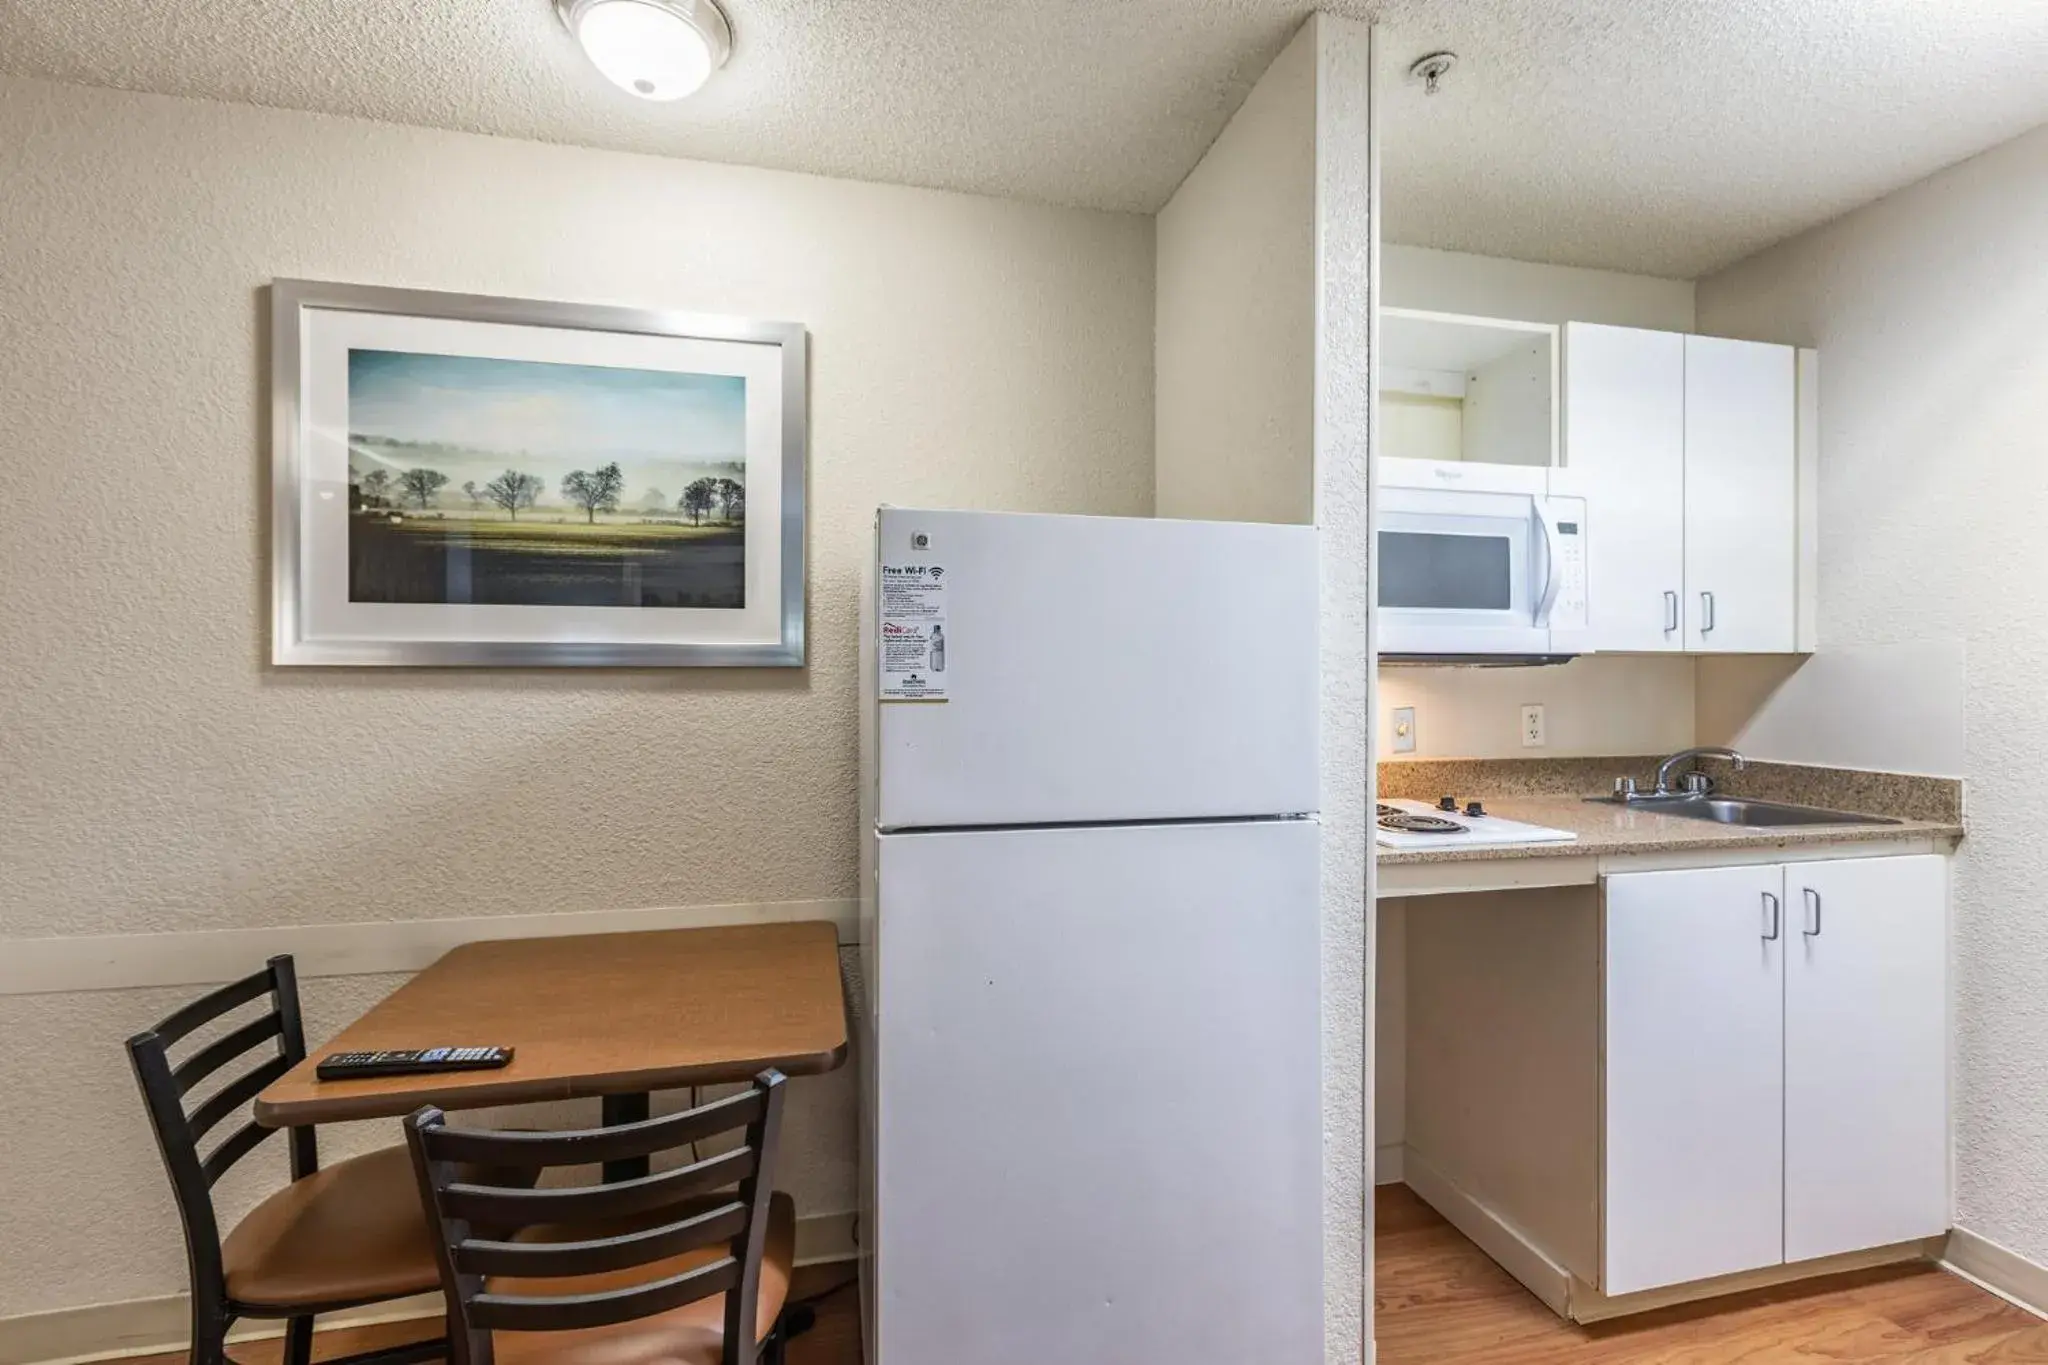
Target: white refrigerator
[{"x": 1090, "y": 942}]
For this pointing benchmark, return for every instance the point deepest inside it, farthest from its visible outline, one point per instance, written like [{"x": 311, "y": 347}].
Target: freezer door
[
  {"x": 1102, "y": 668},
  {"x": 1097, "y": 1084}
]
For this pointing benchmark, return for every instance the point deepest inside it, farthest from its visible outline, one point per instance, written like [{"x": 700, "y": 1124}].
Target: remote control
[{"x": 346, "y": 1066}]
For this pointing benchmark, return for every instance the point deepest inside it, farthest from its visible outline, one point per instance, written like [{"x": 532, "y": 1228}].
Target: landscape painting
[{"x": 479, "y": 480}]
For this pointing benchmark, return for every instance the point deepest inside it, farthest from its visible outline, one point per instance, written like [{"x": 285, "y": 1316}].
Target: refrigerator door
[
  {"x": 1098, "y": 1113},
  {"x": 1097, "y": 668}
]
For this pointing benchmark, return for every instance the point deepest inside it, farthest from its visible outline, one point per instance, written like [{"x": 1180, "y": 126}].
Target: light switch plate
[{"x": 1404, "y": 730}]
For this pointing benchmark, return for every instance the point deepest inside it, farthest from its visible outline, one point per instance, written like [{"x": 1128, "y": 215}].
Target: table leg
[{"x": 624, "y": 1109}]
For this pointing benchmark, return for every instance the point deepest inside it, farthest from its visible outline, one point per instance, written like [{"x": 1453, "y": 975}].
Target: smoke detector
[{"x": 1432, "y": 69}]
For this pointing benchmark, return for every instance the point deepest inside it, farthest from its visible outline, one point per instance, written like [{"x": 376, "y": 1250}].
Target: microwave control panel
[{"x": 1568, "y": 528}]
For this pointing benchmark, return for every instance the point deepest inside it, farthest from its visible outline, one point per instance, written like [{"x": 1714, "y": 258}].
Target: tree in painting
[
  {"x": 376, "y": 486},
  {"x": 697, "y": 499},
  {"x": 513, "y": 490},
  {"x": 732, "y": 494},
  {"x": 474, "y": 494},
  {"x": 595, "y": 491},
  {"x": 421, "y": 485}
]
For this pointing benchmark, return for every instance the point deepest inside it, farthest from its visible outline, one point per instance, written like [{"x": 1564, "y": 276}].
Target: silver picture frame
[{"x": 292, "y": 300}]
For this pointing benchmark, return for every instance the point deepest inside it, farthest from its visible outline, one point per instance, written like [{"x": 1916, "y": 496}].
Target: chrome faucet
[{"x": 1697, "y": 784}]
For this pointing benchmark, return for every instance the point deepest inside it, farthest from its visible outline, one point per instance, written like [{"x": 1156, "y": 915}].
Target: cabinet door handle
[
  {"x": 1812, "y": 929},
  {"x": 1670, "y": 612},
  {"x": 1771, "y": 909},
  {"x": 1706, "y": 612}
]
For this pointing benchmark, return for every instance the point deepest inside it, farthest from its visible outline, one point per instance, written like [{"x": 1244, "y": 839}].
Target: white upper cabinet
[
  {"x": 1741, "y": 497},
  {"x": 1624, "y": 434},
  {"x": 1686, "y": 451}
]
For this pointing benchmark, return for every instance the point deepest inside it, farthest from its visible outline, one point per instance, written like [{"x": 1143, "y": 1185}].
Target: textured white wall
[
  {"x": 1928, "y": 310},
  {"x": 1236, "y": 312},
  {"x": 1894, "y": 707},
  {"x": 966, "y": 352},
  {"x": 1346, "y": 278}
]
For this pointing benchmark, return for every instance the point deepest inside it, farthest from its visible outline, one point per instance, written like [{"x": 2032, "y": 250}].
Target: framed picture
[{"x": 467, "y": 480}]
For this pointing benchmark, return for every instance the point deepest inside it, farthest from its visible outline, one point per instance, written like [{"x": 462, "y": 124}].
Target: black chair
[
  {"x": 352, "y": 1234},
  {"x": 653, "y": 1269}
]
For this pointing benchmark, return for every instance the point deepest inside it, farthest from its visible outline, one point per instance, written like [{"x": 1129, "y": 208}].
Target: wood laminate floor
[
  {"x": 1441, "y": 1301},
  {"x": 829, "y": 1289}
]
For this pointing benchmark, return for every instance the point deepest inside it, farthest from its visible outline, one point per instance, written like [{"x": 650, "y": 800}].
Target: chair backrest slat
[
  {"x": 590, "y": 1146},
  {"x": 178, "y": 1133},
  {"x": 531, "y": 1236},
  {"x": 493, "y": 1207},
  {"x": 221, "y": 1051},
  {"x": 235, "y": 1094},
  {"x": 239, "y": 1144},
  {"x": 210, "y": 1007},
  {"x": 482, "y": 1257},
  {"x": 567, "y": 1312}
]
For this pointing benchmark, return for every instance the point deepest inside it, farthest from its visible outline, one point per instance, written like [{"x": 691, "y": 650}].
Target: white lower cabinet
[
  {"x": 1866, "y": 1054},
  {"x": 1775, "y": 1083},
  {"x": 1695, "y": 1044}
]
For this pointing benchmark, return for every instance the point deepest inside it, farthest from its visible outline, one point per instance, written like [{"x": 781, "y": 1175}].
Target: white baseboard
[
  {"x": 824, "y": 1237},
  {"x": 206, "y": 957},
  {"x": 1515, "y": 1254},
  {"x": 134, "y": 1327},
  {"x": 140, "y": 1327},
  {"x": 1986, "y": 1264},
  {"x": 1387, "y": 1164}
]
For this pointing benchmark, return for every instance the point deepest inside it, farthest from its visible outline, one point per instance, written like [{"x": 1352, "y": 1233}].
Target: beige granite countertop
[{"x": 1604, "y": 829}]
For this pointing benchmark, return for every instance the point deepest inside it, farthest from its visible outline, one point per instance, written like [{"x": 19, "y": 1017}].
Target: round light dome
[{"x": 656, "y": 49}]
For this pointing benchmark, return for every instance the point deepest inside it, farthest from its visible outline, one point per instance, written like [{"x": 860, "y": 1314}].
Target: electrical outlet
[
  {"x": 1532, "y": 726},
  {"x": 1404, "y": 729}
]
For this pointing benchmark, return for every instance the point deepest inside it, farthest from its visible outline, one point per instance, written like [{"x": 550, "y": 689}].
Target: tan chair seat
[
  {"x": 690, "y": 1335},
  {"x": 354, "y": 1232}
]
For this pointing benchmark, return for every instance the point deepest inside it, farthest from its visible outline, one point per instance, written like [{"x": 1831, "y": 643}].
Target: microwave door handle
[{"x": 1550, "y": 581}]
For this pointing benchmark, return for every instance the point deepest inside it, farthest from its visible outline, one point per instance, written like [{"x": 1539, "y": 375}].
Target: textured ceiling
[{"x": 1666, "y": 136}]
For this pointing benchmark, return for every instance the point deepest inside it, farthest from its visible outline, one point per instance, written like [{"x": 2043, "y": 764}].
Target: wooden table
[{"x": 612, "y": 1015}]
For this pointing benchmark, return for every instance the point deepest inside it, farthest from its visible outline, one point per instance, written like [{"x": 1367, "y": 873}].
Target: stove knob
[
  {"x": 1474, "y": 809},
  {"x": 1449, "y": 803}
]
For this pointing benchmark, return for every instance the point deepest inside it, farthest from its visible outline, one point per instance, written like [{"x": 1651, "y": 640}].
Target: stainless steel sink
[{"x": 1732, "y": 810}]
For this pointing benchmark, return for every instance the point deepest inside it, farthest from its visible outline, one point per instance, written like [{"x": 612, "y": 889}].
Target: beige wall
[
  {"x": 1525, "y": 291},
  {"x": 1236, "y": 312},
  {"x": 1927, "y": 307},
  {"x": 965, "y": 352},
  {"x": 1597, "y": 704}
]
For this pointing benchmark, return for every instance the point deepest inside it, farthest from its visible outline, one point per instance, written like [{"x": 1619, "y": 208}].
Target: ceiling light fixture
[{"x": 656, "y": 49}]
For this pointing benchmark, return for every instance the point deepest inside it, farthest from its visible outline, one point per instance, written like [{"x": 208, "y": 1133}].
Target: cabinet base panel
[
  {"x": 1590, "y": 1305},
  {"x": 1570, "y": 1297}
]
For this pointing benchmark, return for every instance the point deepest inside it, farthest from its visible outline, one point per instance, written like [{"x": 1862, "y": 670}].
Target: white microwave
[{"x": 1477, "y": 576}]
